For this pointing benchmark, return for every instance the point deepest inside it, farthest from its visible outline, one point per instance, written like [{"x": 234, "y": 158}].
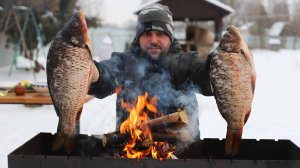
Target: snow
[
  {"x": 221, "y": 5},
  {"x": 148, "y": 3},
  {"x": 275, "y": 112},
  {"x": 274, "y": 41}
]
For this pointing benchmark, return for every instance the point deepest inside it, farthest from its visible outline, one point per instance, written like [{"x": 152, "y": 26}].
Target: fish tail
[
  {"x": 57, "y": 142},
  {"x": 66, "y": 141},
  {"x": 69, "y": 144},
  {"x": 233, "y": 140}
]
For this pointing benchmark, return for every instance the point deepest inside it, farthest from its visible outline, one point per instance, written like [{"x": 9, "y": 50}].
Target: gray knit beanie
[{"x": 155, "y": 17}]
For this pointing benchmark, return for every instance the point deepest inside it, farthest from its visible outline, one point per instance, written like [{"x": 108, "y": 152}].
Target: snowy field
[{"x": 275, "y": 113}]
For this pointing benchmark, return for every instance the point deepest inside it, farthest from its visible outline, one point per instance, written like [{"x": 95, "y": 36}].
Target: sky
[{"x": 116, "y": 12}]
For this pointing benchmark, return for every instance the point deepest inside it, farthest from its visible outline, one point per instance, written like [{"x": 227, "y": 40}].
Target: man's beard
[{"x": 154, "y": 57}]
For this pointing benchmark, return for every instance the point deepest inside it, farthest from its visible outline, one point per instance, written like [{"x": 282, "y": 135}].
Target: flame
[{"x": 139, "y": 131}]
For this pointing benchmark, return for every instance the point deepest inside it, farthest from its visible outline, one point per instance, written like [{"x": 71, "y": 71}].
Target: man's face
[{"x": 154, "y": 43}]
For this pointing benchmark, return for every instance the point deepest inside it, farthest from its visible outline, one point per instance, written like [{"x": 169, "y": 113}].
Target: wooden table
[{"x": 29, "y": 98}]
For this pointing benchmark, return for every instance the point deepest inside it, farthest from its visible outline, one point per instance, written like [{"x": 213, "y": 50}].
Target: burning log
[
  {"x": 145, "y": 144},
  {"x": 171, "y": 136},
  {"x": 118, "y": 139},
  {"x": 163, "y": 148},
  {"x": 174, "y": 121},
  {"x": 172, "y": 156},
  {"x": 159, "y": 127},
  {"x": 114, "y": 139}
]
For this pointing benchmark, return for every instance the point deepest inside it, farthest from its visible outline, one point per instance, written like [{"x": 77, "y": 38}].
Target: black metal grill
[{"x": 89, "y": 153}]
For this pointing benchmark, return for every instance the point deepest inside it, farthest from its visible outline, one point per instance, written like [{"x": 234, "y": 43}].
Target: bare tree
[
  {"x": 51, "y": 15},
  {"x": 247, "y": 11},
  {"x": 250, "y": 12},
  {"x": 279, "y": 11},
  {"x": 295, "y": 22}
]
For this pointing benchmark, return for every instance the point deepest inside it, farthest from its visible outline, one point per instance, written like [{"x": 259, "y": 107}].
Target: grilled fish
[
  {"x": 69, "y": 72},
  {"x": 233, "y": 79}
]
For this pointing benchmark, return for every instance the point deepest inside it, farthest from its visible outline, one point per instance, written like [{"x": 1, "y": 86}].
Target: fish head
[
  {"x": 232, "y": 39},
  {"x": 75, "y": 30}
]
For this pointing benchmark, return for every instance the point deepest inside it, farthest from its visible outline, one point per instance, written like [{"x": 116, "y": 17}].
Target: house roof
[
  {"x": 193, "y": 10},
  {"x": 277, "y": 28}
]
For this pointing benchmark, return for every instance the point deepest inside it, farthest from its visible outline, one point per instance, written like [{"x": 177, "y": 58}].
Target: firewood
[
  {"x": 172, "y": 156},
  {"x": 171, "y": 136},
  {"x": 117, "y": 139},
  {"x": 145, "y": 144},
  {"x": 159, "y": 127},
  {"x": 114, "y": 139},
  {"x": 174, "y": 121}
]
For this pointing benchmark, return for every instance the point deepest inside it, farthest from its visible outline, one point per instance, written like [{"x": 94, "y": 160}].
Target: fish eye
[{"x": 75, "y": 24}]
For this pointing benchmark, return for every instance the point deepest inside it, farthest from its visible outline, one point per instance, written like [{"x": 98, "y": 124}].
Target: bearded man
[{"x": 155, "y": 64}]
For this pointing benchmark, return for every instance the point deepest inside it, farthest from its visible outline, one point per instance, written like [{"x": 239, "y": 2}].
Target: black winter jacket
[{"x": 174, "y": 80}]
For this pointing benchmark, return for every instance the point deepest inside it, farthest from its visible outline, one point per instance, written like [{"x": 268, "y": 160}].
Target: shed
[
  {"x": 196, "y": 10},
  {"x": 274, "y": 33}
]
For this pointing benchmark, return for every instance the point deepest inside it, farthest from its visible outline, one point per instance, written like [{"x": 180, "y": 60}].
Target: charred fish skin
[
  {"x": 233, "y": 79},
  {"x": 69, "y": 72}
]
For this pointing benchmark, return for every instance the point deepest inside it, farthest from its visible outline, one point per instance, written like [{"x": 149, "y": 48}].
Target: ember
[{"x": 141, "y": 143}]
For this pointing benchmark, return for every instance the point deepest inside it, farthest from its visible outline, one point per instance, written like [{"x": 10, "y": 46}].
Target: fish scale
[
  {"x": 70, "y": 78},
  {"x": 69, "y": 72},
  {"x": 233, "y": 80}
]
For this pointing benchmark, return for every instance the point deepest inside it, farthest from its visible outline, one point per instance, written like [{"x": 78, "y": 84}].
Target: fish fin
[
  {"x": 78, "y": 114},
  {"x": 56, "y": 110},
  {"x": 247, "y": 116},
  {"x": 88, "y": 47},
  {"x": 52, "y": 98},
  {"x": 233, "y": 140},
  {"x": 248, "y": 55},
  {"x": 63, "y": 140},
  {"x": 90, "y": 75},
  {"x": 69, "y": 144},
  {"x": 89, "y": 79},
  {"x": 253, "y": 81},
  {"x": 77, "y": 121},
  {"x": 212, "y": 89}
]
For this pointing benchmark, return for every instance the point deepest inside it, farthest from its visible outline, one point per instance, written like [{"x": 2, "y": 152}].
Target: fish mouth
[
  {"x": 84, "y": 28},
  {"x": 232, "y": 34},
  {"x": 81, "y": 15},
  {"x": 233, "y": 28},
  {"x": 233, "y": 31},
  {"x": 82, "y": 18}
]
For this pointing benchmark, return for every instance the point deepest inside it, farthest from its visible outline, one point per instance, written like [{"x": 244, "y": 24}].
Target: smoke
[
  {"x": 188, "y": 101},
  {"x": 152, "y": 77}
]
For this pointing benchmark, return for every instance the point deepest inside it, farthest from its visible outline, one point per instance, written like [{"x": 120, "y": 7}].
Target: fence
[{"x": 288, "y": 42}]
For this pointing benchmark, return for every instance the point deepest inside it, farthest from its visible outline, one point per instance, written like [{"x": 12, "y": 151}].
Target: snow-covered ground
[{"x": 275, "y": 113}]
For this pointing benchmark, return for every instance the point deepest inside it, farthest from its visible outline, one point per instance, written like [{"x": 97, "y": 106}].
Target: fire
[{"x": 139, "y": 132}]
